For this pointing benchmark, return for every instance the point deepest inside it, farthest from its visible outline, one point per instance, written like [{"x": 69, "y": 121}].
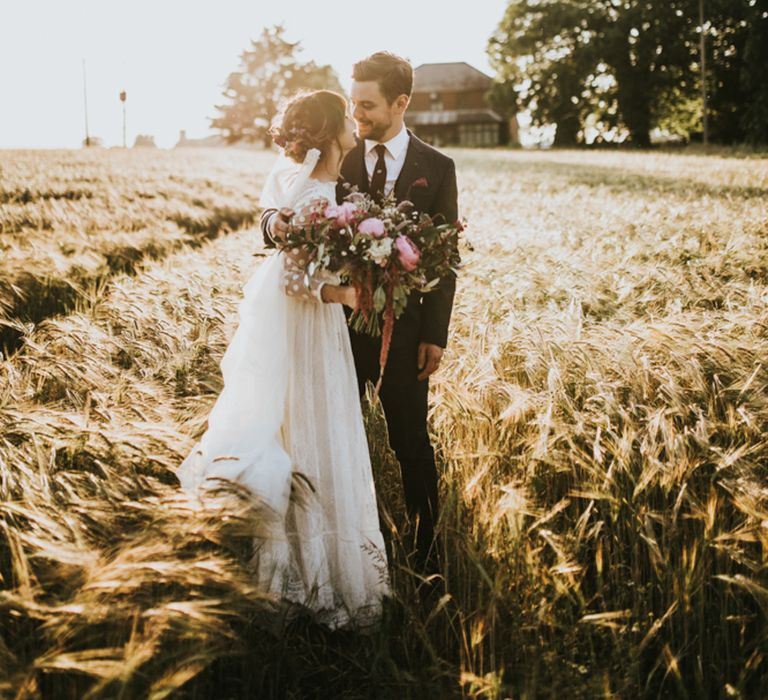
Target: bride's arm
[
  {"x": 295, "y": 280},
  {"x": 298, "y": 284}
]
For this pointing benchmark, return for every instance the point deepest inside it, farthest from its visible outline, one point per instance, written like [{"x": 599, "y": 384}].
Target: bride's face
[
  {"x": 347, "y": 138},
  {"x": 374, "y": 116}
]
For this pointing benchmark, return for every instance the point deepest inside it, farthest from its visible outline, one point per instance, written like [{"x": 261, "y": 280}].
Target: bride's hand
[
  {"x": 348, "y": 297},
  {"x": 339, "y": 294}
]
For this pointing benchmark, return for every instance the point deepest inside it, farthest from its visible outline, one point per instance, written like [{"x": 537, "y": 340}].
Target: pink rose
[
  {"x": 343, "y": 213},
  {"x": 372, "y": 227},
  {"x": 408, "y": 253}
]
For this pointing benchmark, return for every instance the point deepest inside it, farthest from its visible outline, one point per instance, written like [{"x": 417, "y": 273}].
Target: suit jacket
[{"x": 427, "y": 316}]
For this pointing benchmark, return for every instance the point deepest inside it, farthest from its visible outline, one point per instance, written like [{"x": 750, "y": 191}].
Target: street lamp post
[
  {"x": 85, "y": 103},
  {"x": 122, "y": 99}
]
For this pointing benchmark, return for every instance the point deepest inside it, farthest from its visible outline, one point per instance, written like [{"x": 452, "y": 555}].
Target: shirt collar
[{"x": 395, "y": 145}]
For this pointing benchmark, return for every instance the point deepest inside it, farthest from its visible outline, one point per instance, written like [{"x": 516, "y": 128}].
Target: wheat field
[{"x": 599, "y": 420}]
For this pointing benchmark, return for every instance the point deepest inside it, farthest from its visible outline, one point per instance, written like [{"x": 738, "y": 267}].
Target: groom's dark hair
[{"x": 393, "y": 74}]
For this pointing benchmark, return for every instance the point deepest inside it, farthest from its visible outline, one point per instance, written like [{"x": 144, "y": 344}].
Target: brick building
[{"x": 448, "y": 107}]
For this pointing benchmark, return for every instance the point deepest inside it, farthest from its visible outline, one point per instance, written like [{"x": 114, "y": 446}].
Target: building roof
[
  {"x": 455, "y": 116},
  {"x": 432, "y": 77}
]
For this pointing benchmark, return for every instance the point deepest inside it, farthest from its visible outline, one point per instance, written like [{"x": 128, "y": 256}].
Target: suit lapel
[
  {"x": 353, "y": 172},
  {"x": 413, "y": 168}
]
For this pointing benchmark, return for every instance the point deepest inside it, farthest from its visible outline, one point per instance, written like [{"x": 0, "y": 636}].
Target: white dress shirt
[{"x": 394, "y": 157}]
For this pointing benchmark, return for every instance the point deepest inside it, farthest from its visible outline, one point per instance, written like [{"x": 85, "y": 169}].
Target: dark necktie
[{"x": 379, "y": 177}]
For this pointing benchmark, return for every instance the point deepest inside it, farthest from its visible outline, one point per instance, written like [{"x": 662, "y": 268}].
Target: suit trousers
[{"x": 404, "y": 400}]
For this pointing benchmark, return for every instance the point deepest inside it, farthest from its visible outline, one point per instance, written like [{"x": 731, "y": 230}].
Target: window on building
[
  {"x": 478, "y": 134},
  {"x": 435, "y": 103}
]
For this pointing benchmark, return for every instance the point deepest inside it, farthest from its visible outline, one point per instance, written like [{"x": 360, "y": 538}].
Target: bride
[{"x": 290, "y": 401}]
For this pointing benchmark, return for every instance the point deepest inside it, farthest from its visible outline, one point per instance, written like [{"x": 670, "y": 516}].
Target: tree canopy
[
  {"x": 634, "y": 65},
  {"x": 269, "y": 73}
]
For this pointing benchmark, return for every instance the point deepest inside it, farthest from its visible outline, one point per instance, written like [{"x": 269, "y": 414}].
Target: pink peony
[
  {"x": 373, "y": 227},
  {"x": 408, "y": 253},
  {"x": 343, "y": 213}
]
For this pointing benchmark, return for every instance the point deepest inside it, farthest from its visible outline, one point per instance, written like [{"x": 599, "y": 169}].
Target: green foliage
[
  {"x": 541, "y": 46},
  {"x": 636, "y": 65},
  {"x": 502, "y": 97},
  {"x": 754, "y": 76},
  {"x": 269, "y": 73},
  {"x": 726, "y": 37},
  {"x": 648, "y": 47}
]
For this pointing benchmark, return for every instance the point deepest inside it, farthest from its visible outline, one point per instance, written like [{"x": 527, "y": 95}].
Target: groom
[{"x": 388, "y": 156}]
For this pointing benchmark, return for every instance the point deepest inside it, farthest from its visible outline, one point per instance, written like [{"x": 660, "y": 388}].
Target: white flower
[{"x": 380, "y": 250}]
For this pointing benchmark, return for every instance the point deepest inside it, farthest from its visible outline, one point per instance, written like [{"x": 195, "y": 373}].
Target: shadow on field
[
  {"x": 311, "y": 662},
  {"x": 33, "y": 295}
]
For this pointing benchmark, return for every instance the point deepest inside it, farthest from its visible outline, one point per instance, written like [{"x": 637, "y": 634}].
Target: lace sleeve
[{"x": 295, "y": 280}]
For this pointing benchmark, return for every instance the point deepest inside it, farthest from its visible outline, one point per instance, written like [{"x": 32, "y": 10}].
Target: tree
[
  {"x": 618, "y": 62},
  {"x": 269, "y": 73},
  {"x": 754, "y": 76},
  {"x": 549, "y": 64},
  {"x": 636, "y": 64},
  {"x": 726, "y": 32},
  {"x": 737, "y": 43},
  {"x": 648, "y": 46},
  {"x": 502, "y": 97}
]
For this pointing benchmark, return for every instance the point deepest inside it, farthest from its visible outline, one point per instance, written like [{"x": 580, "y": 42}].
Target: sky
[{"x": 172, "y": 57}]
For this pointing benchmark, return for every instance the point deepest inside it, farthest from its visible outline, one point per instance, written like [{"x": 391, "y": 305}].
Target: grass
[
  {"x": 600, "y": 422},
  {"x": 69, "y": 220}
]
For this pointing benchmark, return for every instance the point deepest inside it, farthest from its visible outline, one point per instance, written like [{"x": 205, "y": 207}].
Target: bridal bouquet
[{"x": 384, "y": 250}]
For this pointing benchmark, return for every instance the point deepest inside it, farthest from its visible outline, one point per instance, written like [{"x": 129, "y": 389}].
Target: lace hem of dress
[
  {"x": 275, "y": 566},
  {"x": 336, "y": 618}
]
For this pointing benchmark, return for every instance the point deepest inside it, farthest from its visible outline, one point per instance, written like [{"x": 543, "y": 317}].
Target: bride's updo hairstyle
[{"x": 310, "y": 120}]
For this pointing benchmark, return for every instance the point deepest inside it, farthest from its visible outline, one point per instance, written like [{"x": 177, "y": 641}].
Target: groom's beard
[{"x": 375, "y": 131}]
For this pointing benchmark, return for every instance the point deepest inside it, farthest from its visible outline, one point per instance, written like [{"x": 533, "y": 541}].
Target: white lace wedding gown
[{"x": 289, "y": 404}]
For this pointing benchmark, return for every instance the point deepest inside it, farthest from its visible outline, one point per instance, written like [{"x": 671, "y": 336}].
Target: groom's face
[{"x": 374, "y": 116}]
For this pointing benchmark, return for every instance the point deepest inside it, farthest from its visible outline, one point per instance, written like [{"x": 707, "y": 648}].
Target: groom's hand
[
  {"x": 279, "y": 224},
  {"x": 429, "y": 359}
]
